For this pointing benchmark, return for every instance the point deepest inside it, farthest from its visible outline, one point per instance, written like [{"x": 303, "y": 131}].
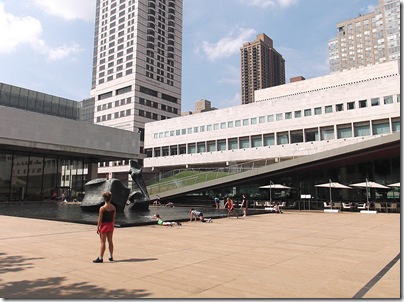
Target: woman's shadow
[{"x": 135, "y": 260}]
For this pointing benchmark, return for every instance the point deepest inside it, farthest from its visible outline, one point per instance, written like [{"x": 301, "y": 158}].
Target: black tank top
[{"x": 107, "y": 216}]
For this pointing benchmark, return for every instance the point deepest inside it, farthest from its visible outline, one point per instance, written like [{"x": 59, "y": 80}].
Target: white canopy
[
  {"x": 274, "y": 186},
  {"x": 333, "y": 185},
  {"x": 369, "y": 184},
  {"x": 395, "y": 185}
]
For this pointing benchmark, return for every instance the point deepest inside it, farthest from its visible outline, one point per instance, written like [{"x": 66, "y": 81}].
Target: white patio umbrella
[
  {"x": 369, "y": 185},
  {"x": 332, "y": 185},
  {"x": 395, "y": 185},
  {"x": 273, "y": 186}
]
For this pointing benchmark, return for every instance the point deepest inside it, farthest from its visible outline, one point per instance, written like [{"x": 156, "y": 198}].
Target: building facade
[
  {"x": 261, "y": 67},
  {"x": 46, "y": 148},
  {"x": 35, "y": 101},
  {"x": 367, "y": 39},
  {"x": 285, "y": 122},
  {"x": 137, "y": 66}
]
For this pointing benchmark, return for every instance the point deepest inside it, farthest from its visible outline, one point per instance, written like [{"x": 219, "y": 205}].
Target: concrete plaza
[{"x": 290, "y": 255}]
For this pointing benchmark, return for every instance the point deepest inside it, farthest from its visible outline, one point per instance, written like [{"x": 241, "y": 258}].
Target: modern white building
[
  {"x": 287, "y": 121},
  {"x": 137, "y": 67},
  {"x": 367, "y": 39}
]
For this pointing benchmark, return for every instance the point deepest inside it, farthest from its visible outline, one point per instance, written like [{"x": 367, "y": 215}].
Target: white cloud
[
  {"x": 69, "y": 9},
  {"x": 370, "y": 9},
  {"x": 228, "y": 45},
  {"x": 235, "y": 101},
  {"x": 271, "y": 3},
  {"x": 55, "y": 53},
  {"x": 16, "y": 32}
]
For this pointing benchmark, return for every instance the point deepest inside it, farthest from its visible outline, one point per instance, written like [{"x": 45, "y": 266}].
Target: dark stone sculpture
[
  {"x": 140, "y": 199},
  {"x": 93, "y": 200}
]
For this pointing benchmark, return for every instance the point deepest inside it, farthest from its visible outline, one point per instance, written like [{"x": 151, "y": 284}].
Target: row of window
[
  {"x": 117, "y": 103},
  {"x": 110, "y": 23},
  {"x": 123, "y": 113},
  {"x": 343, "y": 131},
  {"x": 116, "y": 115},
  {"x": 152, "y": 104},
  {"x": 277, "y": 117},
  {"x": 152, "y": 115},
  {"x": 159, "y": 72}
]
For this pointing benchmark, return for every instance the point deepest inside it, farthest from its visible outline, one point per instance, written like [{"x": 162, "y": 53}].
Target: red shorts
[{"x": 106, "y": 227}]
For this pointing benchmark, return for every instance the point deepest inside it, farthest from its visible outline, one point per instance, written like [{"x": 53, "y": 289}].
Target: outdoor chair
[
  {"x": 362, "y": 206},
  {"x": 346, "y": 206},
  {"x": 259, "y": 204},
  {"x": 378, "y": 207},
  {"x": 326, "y": 205},
  {"x": 268, "y": 204},
  {"x": 336, "y": 205},
  {"x": 282, "y": 205},
  {"x": 292, "y": 205},
  {"x": 392, "y": 207}
]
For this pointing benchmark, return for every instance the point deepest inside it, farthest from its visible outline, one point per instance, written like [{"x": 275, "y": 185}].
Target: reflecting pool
[{"x": 71, "y": 212}]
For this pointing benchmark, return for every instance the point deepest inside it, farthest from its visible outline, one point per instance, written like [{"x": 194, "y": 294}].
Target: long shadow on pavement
[{"x": 53, "y": 288}]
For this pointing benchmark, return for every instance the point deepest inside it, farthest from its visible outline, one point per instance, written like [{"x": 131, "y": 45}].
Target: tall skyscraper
[
  {"x": 261, "y": 67},
  {"x": 367, "y": 39},
  {"x": 137, "y": 66}
]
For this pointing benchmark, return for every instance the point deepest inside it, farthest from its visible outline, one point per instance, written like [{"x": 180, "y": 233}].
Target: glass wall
[
  {"x": 17, "y": 97},
  {"x": 5, "y": 175},
  {"x": 31, "y": 177}
]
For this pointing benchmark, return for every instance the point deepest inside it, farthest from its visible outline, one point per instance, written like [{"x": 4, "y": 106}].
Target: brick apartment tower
[
  {"x": 367, "y": 39},
  {"x": 261, "y": 67}
]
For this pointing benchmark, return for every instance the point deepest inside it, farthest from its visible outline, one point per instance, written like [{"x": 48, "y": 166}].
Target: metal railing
[{"x": 202, "y": 175}]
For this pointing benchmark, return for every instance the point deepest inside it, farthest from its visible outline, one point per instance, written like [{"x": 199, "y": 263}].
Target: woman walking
[{"x": 105, "y": 227}]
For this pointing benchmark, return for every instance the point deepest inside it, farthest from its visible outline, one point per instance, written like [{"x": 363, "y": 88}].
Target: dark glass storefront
[
  {"x": 25, "y": 176},
  {"x": 379, "y": 168}
]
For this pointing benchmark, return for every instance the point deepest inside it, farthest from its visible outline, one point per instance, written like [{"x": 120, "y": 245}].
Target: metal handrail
[{"x": 163, "y": 186}]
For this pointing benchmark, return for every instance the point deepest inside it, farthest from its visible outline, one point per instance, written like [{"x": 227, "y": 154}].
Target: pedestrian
[
  {"x": 244, "y": 205},
  {"x": 230, "y": 207},
  {"x": 217, "y": 202},
  {"x": 165, "y": 223},
  {"x": 198, "y": 214},
  {"x": 105, "y": 227},
  {"x": 277, "y": 209},
  {"x": 157, "y": 202}
]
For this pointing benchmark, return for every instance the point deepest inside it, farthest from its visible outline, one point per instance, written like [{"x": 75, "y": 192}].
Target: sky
[{"x": 47, "y": 45}]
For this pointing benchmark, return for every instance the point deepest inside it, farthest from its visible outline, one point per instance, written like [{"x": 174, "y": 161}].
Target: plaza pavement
[{"x": 290, "y": 255}]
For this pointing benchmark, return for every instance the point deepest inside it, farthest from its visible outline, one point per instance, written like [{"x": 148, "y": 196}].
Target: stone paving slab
[{"x": 290, "y": 255}]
